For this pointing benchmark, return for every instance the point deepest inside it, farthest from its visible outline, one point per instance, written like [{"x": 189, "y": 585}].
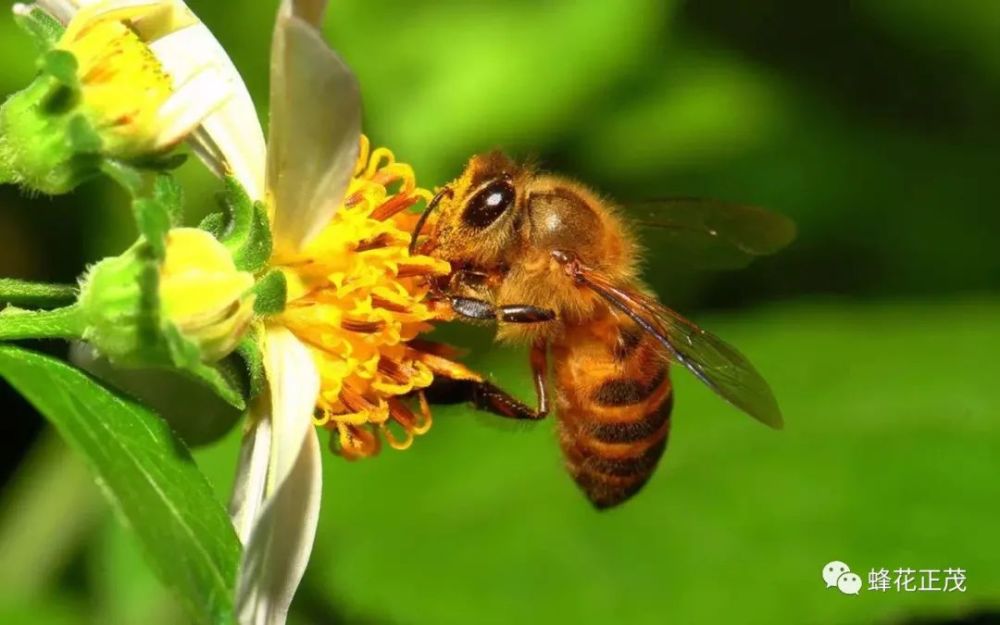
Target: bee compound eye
[{"x": 489, "y": 203}]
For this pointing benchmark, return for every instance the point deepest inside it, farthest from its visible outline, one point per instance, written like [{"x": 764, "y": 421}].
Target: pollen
[{"x": 359, "y": 301}]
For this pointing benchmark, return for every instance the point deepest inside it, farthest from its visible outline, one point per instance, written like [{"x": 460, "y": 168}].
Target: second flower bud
[{"x": 137, "y": 308}]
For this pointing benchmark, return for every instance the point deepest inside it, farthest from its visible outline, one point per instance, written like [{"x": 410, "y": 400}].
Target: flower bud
[
  {"x": 140, "y": 312},
  {"x": 202, "y": 292},
  {"x": 103, "y": 91}
]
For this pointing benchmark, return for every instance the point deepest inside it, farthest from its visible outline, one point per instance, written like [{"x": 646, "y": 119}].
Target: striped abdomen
[{"x": 613, "y": 404}]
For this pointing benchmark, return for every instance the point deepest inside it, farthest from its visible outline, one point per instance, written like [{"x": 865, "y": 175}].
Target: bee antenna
[{"x": 427, "y": 213}]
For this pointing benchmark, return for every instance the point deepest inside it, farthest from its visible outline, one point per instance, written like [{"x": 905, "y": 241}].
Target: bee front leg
[
  {"x": 473, "y": 308},
  {"x": 468, "y": 292}
]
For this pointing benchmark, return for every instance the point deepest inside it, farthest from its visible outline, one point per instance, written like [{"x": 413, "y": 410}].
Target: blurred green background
[{"x": 871, "y": 123}]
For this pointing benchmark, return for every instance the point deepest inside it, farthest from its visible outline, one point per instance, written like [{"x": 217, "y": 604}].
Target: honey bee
[{"x": 557, "y": 266}]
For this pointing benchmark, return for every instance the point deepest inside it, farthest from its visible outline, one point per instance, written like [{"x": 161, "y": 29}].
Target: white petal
[
  {"x": 230, "y": 139},
  {"x": 190, "y": 105},
  {"x": 58, "y": 10},
  {"x": 179, "y": 54},
  {"x": 251, "y": 471},
  {"x": 75, "y": 4},
  {"x": 278, "y": 551},
  {"x": 64, "y": 10},
  {"x": 309, "y": 10},
  {"x": 293, "y": 383},
  {"x": 280, "y": 419},
  {"x": 275, "y": 503},
  {"x": 315, "y": 126},
  {"x": 161, "y": 12},
  {"x": 61, "y": 10}
]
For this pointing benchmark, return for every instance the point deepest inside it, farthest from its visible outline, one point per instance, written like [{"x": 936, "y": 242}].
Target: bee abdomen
[
  {"x": 609, "y": 482},
  {"x": 611, "y": 460}
]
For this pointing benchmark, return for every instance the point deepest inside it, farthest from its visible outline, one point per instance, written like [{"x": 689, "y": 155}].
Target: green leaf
[
  {"x": 147, "y": 473},
  {"x": 193, "y": 409},
  {"x": 124, "y": 589}
]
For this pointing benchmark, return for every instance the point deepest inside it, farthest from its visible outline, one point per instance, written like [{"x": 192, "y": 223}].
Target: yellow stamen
[{"x": 356, "y": 298}]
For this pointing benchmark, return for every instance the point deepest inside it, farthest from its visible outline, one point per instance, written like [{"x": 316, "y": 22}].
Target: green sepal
[
  {"x": 247, "y": 232},
  {"x": 157, "y": 205},
  {"x": 82, "y": 137},
  {"x": 134, "y": 181},
  {"x": 61, "y": 95},
  {"x": 271, "y": 293},
  {"x": 253, "y": 360},
  {"x": 44, "y": 144},
  {"x": 43, "y": 29},
  {"x": 120, "y": 299},
  {"x": 161, "y": 162},
  {"x": 163, "y": 210},
  {"x": 60, "y": 65},
  {"x": 225, "y": 381},
  {"x": 214, "y": 224}
]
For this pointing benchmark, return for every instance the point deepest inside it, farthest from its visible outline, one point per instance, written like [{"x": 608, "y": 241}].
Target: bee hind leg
[
  {"x": 491, "y": 398},
  {"x": 484, "y": 396}
]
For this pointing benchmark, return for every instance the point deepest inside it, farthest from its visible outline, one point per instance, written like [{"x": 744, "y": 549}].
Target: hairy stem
[
  {"x": 61, "y": 323},
  {"x": 24, "y": 293}
]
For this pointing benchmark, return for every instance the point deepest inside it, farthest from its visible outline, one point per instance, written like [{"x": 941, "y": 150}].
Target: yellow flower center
[
  {"x": 123, "y": 85},
  {"x": 357, "y": 299}
]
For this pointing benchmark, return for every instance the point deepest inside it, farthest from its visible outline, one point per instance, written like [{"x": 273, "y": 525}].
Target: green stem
[
  {"x": 24, "y": 293},
  {"x": 61, "y": 323}
]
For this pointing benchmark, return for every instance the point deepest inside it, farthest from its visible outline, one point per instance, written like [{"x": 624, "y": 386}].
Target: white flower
[
  {"x": 313, "y": 142},
  {"x": 314, "y": 138}
]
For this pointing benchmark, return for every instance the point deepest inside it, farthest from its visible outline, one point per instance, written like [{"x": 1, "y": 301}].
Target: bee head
[{"x": 479, "y": 213}]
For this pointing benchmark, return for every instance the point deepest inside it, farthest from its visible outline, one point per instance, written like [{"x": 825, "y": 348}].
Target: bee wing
[
  {"x": 717, "y": 364},
  {"x": 709, "y": 234},
  {"x": 315, "y": 126}
]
